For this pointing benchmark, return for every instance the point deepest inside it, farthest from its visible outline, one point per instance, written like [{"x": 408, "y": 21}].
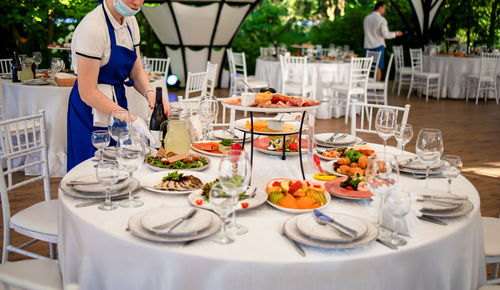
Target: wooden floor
[{"x": 470, "y": 131}]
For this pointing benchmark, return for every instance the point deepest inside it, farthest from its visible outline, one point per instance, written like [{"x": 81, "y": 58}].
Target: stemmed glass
[
  {"x": 429, "y": 149},
  {"x": 100, "y": 140},
  {"x": 234, "y": 177},
  {"x": 452, "y": 167},
  {"x": 209, "y": 109},
  {"x": 223, "y": 204},
  {"x": 118, "y": 123},
  {"x": 385, "y": 124},
  {"x": 403, "y": 135},
  {"x": 56, "y": 65},
  {"x": 130, "y": 157},
  {"x": 398, "y": 205},
  {"x": 37, "y": 57},
  {"x": 382, "y": 174},
  {"x": 107, "y": 174}
]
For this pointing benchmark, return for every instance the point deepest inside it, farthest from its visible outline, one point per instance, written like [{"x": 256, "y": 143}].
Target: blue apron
[{"x": 80, "y": 119}]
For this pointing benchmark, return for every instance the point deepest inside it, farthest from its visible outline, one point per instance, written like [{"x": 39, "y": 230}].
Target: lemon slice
[{"x": 323, "y": 176}]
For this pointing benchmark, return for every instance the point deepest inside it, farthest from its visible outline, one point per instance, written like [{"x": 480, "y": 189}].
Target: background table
[
  {"x": 23, "y": 100},
  {"x": 97, "y": 252},
  {"x": 453, "y": 71}
]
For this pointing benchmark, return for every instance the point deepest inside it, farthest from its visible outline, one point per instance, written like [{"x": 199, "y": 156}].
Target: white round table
[{"x": 96, "y": 251}]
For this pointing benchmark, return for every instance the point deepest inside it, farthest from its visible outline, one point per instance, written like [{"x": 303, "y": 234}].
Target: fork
[
  {"x": 333, "y": 136},
  {"x": 298, "y": 248}
]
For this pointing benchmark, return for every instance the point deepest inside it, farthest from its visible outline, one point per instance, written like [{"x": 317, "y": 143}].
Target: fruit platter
[
  {"x": 213, "y": 148},
  {"x": 296, "y": 196},
  {"x": 248, "y": 199},
  {"x": 351, "y": 161},
  {"x": 273, "y": 145},
  {"x": 170, "y": 161},
  {"x": 349, "y": 187}
]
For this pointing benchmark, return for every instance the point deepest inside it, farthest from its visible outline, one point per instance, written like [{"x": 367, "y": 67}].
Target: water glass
[
  {"x": 37, "y": 57},
  {"x": 118, "y": 123},
  {"x": 403, "y": 135},
  {"x": 209, "y": 109},
  {"x": 100, "y": 140},
  {"x": 107, "y": 174},
  {"x": 56, "y": 65},
  {"x": 398, "y": 206},
  {"x": 222, "y": 204},
  {"x": 382, "y": 174},
  {"x": 429, "y": 149},
  {"x": 452, "y": 167},
  {"x": 130, "y": 157},
  {"x": 234, "y": 177},
  {"x": 385, "y": 124}
]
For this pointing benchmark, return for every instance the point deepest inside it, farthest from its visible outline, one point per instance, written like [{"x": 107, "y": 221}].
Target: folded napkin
[
  {"x": 100, "y": 118},
  {"x": 65, "y": 76}
]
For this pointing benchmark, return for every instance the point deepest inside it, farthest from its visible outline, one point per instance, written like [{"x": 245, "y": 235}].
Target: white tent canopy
[
  {"x": 423, "y": 7},
  {"x": 194, "y": 32}
]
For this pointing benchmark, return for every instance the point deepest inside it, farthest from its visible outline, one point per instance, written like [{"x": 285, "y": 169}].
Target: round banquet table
[
  {"x": 23, "y": 100},
  {"x": 453, "y": 71},
  {"x": 321, "y": 75},
  {"x": 97, "y": 252}
]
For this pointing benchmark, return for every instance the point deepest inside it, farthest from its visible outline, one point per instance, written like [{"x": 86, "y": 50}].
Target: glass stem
[
  {"x": 449, "y": 185},
  {"x": 394, "y": 228},
  {"x": 385, "y": 151},
  {"x": 233, "y": 218},
  {"x": 380, "y": 209},
  {"x": 107, "y": 201},
  {"x": 130, "y": 186},
  {"x": 427, "y": 169},
  {"x": 223, "y": 219},
  {"x": 100, "y": 155}
]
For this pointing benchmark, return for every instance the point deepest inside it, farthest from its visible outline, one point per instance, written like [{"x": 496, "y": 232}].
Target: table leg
[{"x": 300, "y": 145}]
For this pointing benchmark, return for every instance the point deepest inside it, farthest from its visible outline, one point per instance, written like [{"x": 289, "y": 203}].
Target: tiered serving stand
[{"x": 251, "y": 110}]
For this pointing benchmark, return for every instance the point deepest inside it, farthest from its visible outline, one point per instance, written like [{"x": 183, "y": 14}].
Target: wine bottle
[
  {"x": 157, "y": 118},
  {"x": 16, "y": 67}
]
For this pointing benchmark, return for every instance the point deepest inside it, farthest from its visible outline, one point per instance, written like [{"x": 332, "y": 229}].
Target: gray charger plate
[
  {"x": 69, "y": 190},
  {"x": 460, "y": 211}
]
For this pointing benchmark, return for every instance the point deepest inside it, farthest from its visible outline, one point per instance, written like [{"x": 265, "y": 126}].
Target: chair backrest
[
  {"x": 293, "y": 69},
  {"x": 196, "y": 85},
  {"x": 388, "y": 72},
  {"x": 211, "y": 77},
  {"x": 239, "y": 65},
  {"x": 266, "y": 51},
  {"x": 416, "y": 59},
  {"x": 399, "y": 57},
  {"x": 368, "y": 112},
  {"x": 489, "y": 65},
  {"x": 360, "y": 70},
  {"x": 157, "y": 65},
  {"x": 5, "y": 66},
  {"x": 376, "y": 59}
]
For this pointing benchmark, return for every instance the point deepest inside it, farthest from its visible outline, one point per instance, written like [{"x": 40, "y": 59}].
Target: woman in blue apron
[{"x": 88, "y": 47}]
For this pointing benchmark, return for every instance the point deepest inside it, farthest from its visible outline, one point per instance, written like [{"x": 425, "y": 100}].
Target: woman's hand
[{"x": 151, "y": 97}]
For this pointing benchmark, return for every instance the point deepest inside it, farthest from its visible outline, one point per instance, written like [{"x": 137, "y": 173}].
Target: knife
[
  {"x": 90, "y": 203},
  {"x": 328, "y": 219},
  {"x": 387, "y": 244},
  {"x": 297, "y": 247},
  {"x": 430, "y": 196},
  {"x": 432, "y": 220},
  {"x": 176, "y": 222},
  {"x": 440, "y": 201}
]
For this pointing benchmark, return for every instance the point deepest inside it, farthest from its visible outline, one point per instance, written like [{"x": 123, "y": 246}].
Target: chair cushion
[
  {"x": 491, "y": 228},
  {"x": 376, "y": 85},
  {"x": 258, "y": 84},
  {"x": 41, "y": 272},
  {"x": 490, "y": 287},
  {"x": 428, "y": 75},
  {"x": 40, "y": 217},
  {"x": 345, "y": 88}
]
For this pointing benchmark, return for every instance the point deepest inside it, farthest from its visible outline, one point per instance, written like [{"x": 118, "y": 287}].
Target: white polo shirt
[
  {"x": 91, "y": 36},
  {"x": 376, "y": 30}
]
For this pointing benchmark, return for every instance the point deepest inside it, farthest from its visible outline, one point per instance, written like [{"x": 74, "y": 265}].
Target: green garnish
[
  {"x": 174, "y": 176},
  {"x": 352, "y": 181},
  {"x": 226, "y": 142},
  {"x": 353, "y": 155}
]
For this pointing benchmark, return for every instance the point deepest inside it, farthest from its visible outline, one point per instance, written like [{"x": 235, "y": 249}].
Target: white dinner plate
[
  {"x": 259, "y": 198},
  {"x": 240, "y": 125},
  {"x": 200, "y": 221},
  {"x": 413, "y": 163},
  {"x": 136, "y": 228},
  {"x": 342, "y": 139},
  {"x": 69, "y": 190},
  {"x": 150, "y": 180},
  {"x": 308, "y": 226},
  {"x": 199, "y": 150},
  {"x": 293, "y": 233},
  {"x": 37, "y": 82},
  {"x": 297, "y": 211},
  {"x": 460, "y": 211},
  {"x": 96, "y": 187},
  {"x": 224, "y": 134}
]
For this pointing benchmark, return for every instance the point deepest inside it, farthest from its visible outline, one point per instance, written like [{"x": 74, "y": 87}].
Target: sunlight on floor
[{"x": 493, "y": 170}]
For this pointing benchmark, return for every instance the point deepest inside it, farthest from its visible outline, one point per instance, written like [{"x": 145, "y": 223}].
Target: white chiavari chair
[
  {"x": 5, "y": 66},
  {"x": 377, "y": 91},
  {"x": 486, "y": 80},
  {"x": 157, "y": 65},
  {"x": 491, "y": 235},
  {"x": 32, "y": 275},
  {"x": 196, "y": 86},
  {"x": 376, "y": 59},
  {"x": 211, "y": 78},
  {"x": 420, "y": 79},
  {"x": 402, "y": 74},
  {"x": 367, "y": 115},
  {"x": 357, "y": 84},
  {"x": 239, "y": 73},
  {"x": 23, "y": 137},
  {"x": 294, "y": 76}
]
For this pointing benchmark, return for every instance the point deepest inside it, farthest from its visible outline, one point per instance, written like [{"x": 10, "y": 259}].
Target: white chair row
[
  {"x": 5, "y": 66},
  {"x": 487, "y": 78},
  {"x": 402, "y": 74},
  {"x": 420, "y": 79}
]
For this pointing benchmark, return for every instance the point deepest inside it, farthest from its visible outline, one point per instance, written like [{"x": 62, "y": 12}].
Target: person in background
[
  {"x": 376, "y": 31},
  {"x": 105, "y": 54}
]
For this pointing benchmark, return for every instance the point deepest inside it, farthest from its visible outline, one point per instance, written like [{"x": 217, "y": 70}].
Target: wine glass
[
  {"x": 452, "y": 167},
  {"x": 398, "y": 206},
  {"x": 223, "y": 204},
  {"x": 107, "y": 174},
  {"x": 130, "y": 157},
  {"x": 429, "y": 149},
  {"x": 209, "y": 109},
  {"x": 385, "y": 124},
  {"x": 118, "y": 123},
  {"x": 403, "y": 135},
  {"x": 100, "y": 140},
  {"x": 382, "y": 174},
  {"x": 56, "y": 65},
  {"x": 234, "y": 177},
  {"x": 37, "y": 57}
]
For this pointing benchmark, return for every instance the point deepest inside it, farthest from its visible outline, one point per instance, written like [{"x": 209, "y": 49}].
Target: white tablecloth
[
  {"x": 97, "y": 252},
  {"x": 453, "y": 72},
  {"x": 23, "y": 100}
]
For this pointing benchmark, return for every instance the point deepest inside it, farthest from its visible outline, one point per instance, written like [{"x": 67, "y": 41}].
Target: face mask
[{"x": 123, "y": 9}]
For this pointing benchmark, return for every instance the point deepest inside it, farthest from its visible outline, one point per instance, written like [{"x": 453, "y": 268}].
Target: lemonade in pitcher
[{"x": 177, "y": 138}]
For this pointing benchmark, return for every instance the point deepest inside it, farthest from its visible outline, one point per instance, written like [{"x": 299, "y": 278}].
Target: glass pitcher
[
  {"x": 177, "y": 138},
  {"x": 26, "y": 72}
]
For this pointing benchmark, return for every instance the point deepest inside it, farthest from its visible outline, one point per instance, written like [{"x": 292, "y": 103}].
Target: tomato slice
[
  {"x": 199, "y": 201},
  {"x": 244, "y": 204}
]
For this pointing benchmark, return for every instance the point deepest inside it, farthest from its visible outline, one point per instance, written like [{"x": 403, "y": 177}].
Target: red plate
[{"x": 334, "y": 188}]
